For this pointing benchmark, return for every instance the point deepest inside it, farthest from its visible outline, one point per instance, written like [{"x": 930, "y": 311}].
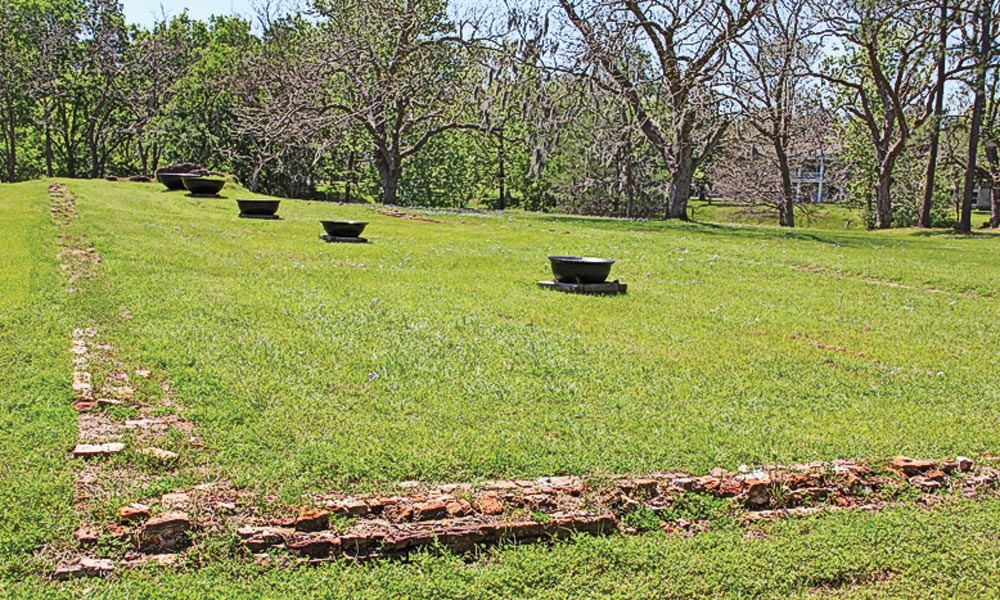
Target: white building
[{"x": 812, "y": 178}]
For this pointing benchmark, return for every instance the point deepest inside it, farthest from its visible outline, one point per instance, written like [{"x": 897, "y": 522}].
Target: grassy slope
[
  {"x": 272, "y": 340},
  {"x": 431, "y": 354},
  {"x": 814, "y": 216},
  {"x": 37, "y": 421}
]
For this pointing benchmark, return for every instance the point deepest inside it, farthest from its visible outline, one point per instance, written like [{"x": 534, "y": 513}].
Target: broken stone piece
[
  {"x": 728, "y": 487},
  {"x": 83, "y": 405},
  {"x": 165, "y": 532},
  {"x": 501, "y": 485},
  {"x": 164, "y": 560},
  {"x": 64, "y": 572},
  {"x": 258, "y": 539},
  {"x": 686, "y": 483},
  {"x": 158, "y": 453},
  {"x": 351, "y": 507},
  {"x": 488, "y": 504},
  {"x": 432, "y": 509},
  {"x": 935, "y": 475},
  {"x": 97, "y": 567},
  {"x": 758, "y": 495},
  {"x": 312, "y": 520},
  {"x": 457, "y": 507},
  {"x": 398, "y": 512},
  {"x": 116, "y": 531},
  {"x": 85, "y": 536},
  {"x": 313, "y": 547},
  {"x": 91, "y": 450},
  {"x": 964, "y": 463},
  {"x": 134, "y": 512},
  {"x": 641, "y": 488},
  {"x": 910, "y": 466},
  {"x": 87, "y": 567}
]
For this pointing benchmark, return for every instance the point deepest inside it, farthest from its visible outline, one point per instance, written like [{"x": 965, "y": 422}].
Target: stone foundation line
[{"x": 462, "y": 518}]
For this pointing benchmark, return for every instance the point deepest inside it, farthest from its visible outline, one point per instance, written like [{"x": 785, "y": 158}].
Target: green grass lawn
[
  {"x": 37, "y": 421},
  {"x": 431, "y": 354},
  {"x": 814, "y": 216}
]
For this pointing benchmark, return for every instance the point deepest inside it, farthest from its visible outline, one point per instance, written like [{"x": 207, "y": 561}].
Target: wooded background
[{"x": 624, "y": 108}]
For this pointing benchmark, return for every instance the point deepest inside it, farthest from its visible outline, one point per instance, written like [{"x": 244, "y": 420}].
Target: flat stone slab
[
  {"x": 91, "y": 450},
  {"x": 87, "y": 567},
  {"x": 265, "y": 217},
  {"x": 165, "y": 532},
  {"x": 607, "y": 287},
  {"x": 158, "y": 453},
  {"x": 333, "y": 239}
]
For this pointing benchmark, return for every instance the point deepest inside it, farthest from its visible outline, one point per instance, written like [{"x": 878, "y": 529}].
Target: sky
[{"x": 146, "y": 12}]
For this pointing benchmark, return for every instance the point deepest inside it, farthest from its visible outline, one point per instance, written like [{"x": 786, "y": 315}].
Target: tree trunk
[
  {"x": 95, "y": 159},
  {"x": 995, "y": 207},
  {"x": 975, "y": 125},
  {"x": 49, "y": 172},
  {"x": 680, "y": 185},
  {"x": 629, "y": 184},
  {"x": 12, "y": 146},
  {"x": 154, "y": 159},
  {"x": 993, "y": 157},
  {"x": 502, "y": 172},
  {"x": 786, "y": 207},
  {"x": 932, "y": 154},
  {"x": 350, "y": 176},
  {"x": 883, "y": 196},
  {"x": 389, "y": 171},
  {"x": 140, "y": 149}
]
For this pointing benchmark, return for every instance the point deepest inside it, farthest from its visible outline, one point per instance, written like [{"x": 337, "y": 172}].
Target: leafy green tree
[
  {"x": 882, "y": 63},
  {"x": 152, "y": 65},
  {"x": 19, "y": 52},
  {"x": 690, "y": 42},
  {"x": 398, "y": 70},
  {"x": 197, "y": 121}
]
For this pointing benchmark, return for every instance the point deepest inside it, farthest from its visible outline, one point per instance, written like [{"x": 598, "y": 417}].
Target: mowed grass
[
  {"x": 951, "y": 551},
  {"x": 37, "y": 421},
  {"x": 431, "y": 354}
]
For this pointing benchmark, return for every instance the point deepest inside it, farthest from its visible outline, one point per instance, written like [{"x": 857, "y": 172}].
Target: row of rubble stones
[
  {"x": 458, "y": 535},
  {"x": 497, "y": 512}
]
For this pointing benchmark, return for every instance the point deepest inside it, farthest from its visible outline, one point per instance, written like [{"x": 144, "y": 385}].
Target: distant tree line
[{"x": 611, "y": 107}]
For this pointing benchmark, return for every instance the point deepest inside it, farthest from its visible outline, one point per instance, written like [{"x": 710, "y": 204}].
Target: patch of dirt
[
  {"x": 892, "y": 284},
  {"x": 76, "y": 257},
  {"x": 831, "y": 348},
  {"x": 402, "y": 215}
]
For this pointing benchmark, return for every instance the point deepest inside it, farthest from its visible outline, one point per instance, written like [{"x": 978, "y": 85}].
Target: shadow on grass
[
  {"x": 979, "y": 233},
  {"x": 746, "y": 232}
]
